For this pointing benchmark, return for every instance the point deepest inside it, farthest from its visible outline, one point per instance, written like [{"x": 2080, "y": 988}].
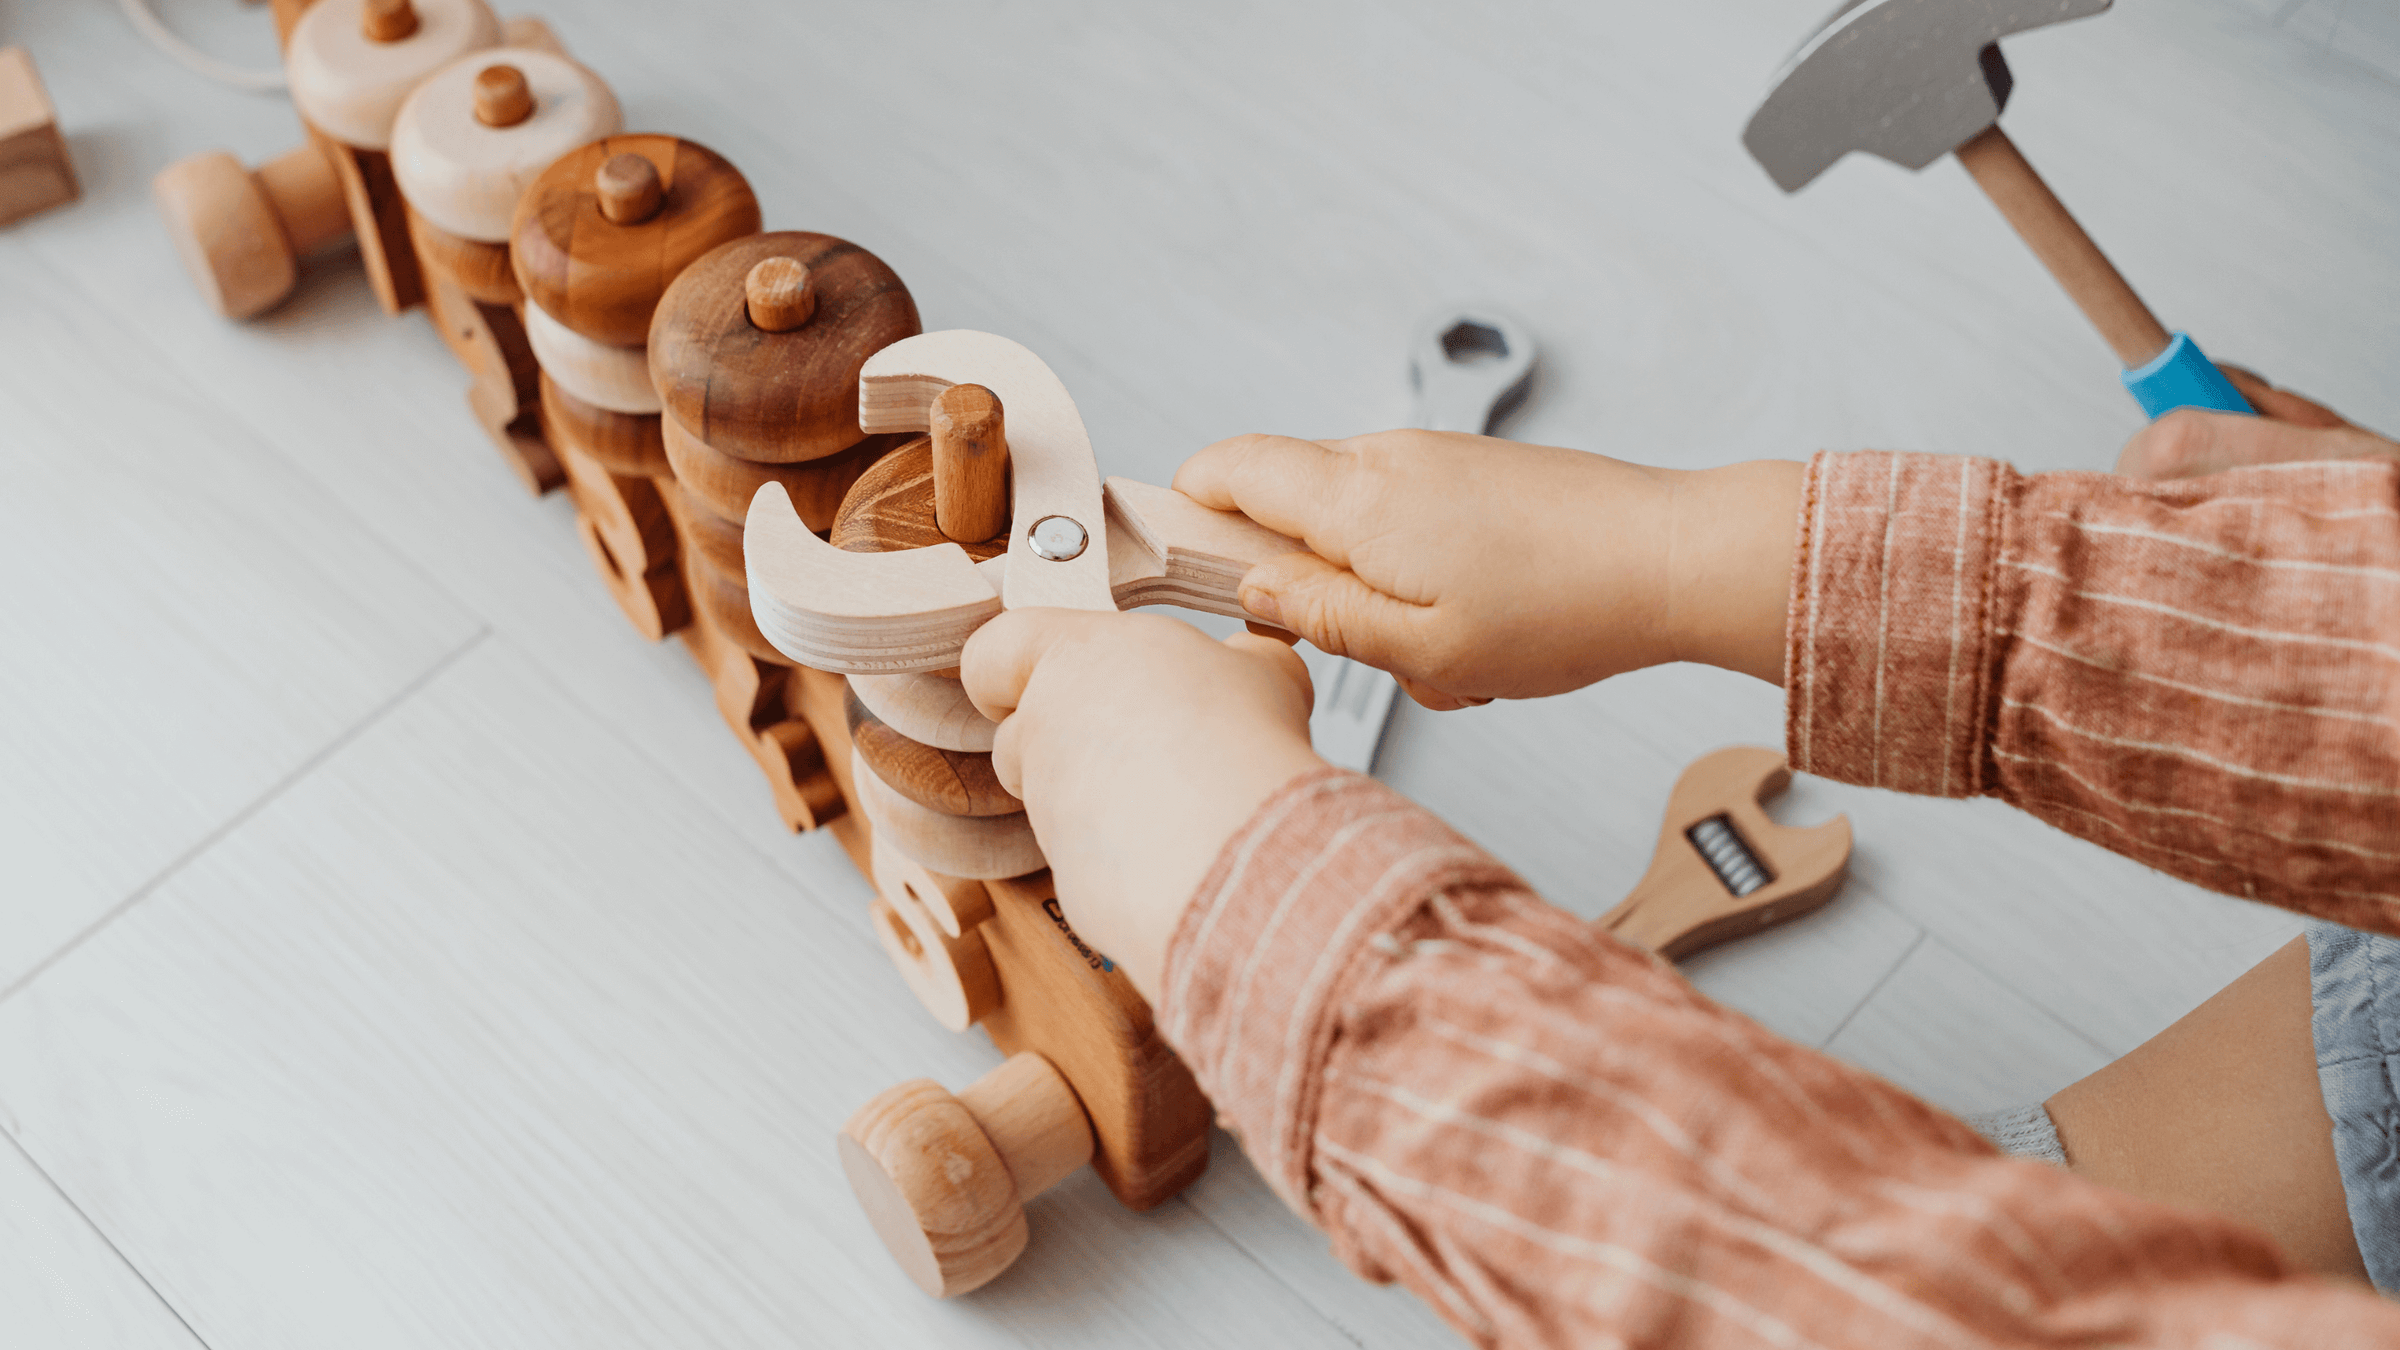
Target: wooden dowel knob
[
  {"x": 502, "y": 98},
  {"x": 944, "y": 1179},
  {"x": 2043, "y": 221},
  {"x": 388, "y": 20},
  {"x": 970, "y": 464},
  {"x": 779, "y": 294},
  {"x": 629, "y": 188}
]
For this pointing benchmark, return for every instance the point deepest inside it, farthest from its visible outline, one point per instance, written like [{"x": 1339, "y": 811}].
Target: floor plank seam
[
  {"x": 2036, "y": 1004},
  {"x": 102, "y": 1234},
  {"x": 234, "y": 822},
  {"x": 1923, "y": 933},
  {"x": 1271, "y": 1272}
]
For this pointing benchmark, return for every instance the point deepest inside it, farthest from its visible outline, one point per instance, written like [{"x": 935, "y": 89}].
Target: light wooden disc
[
  {"x": 466, "y": 176},
  {"x": 350, "y": 86},
  {"x": 927, "y": 708},
  {"x": 723, "y": 485},
  {"x": 776, "y": 397},
  {"x": 603, "y": 279},
  {"x": 479, "y": 269},
  {"x": 615, "y": 378}
]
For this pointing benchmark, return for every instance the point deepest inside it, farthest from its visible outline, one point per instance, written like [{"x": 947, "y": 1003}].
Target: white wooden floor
[{"x": 394, "y": 951}]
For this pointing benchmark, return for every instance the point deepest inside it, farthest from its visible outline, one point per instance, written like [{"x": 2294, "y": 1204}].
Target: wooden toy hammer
[{"x": 1913, "y": 80}]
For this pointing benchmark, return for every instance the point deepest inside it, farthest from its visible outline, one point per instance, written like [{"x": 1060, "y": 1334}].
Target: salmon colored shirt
[{"x": 1554, "y": 1140}]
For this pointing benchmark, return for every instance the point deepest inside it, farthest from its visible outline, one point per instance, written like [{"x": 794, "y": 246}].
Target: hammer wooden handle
[{"x": 2089, "y": 278}]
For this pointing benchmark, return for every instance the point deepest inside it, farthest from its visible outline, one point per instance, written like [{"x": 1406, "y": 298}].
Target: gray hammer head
[{"x": 1909, "y": 80}]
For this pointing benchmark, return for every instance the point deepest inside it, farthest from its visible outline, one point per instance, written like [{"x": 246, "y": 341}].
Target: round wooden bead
[
  {"x": 603, "y": 279},
  {"x": 953, "y": 782},
  {"x": 615, "y": 378},
  {"x": 721, "y": 484},
  {"x": 466, "y": 175},
  {"x": 622, "y": 443},
  {"x": 779, "y": 397},
  {"x": 927, "y": 708},
  {"x": 890, "y": 508},
  {"x": 350, "y": 86}
]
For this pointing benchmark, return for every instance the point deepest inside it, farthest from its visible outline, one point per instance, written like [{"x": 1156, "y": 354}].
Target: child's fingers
[
  {"x": 2190, "y": 443},
  {"x": 2281, "y": 404},
  {"x": 1003, "y": 654},
  {"x": 1279, "y": 654},
  {"x": 1286, "y": 484},
  {"x": 1434, "y": 699},
  {"x": 1335, "y": 610}
]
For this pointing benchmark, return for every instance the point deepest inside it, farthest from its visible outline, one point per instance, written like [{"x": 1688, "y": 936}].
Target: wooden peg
[
  {"x": 388, "y": 20},
  {"x": 502, "y": 97},
  {"x": 35, "y": 173},
  {"x": 944, "y": 1179},
  {"x": 629, "y": 188},
  {"x": 1724, "y": 868},
  {"x": 779, "y": 295},
  {"x": 970, "y": 464}
]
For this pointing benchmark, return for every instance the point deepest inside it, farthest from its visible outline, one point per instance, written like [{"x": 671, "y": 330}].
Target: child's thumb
[{"x": 1333, "y": 609}]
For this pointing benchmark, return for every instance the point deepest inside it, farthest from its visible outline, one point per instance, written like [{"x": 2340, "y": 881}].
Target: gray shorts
[{"x": 2354, "y": 985}]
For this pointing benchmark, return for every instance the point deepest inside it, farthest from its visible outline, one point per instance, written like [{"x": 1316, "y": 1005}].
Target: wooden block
[
  {"x": 980, "y": 848},
  {"x": 1762, "y": 873},
  {"x": 379, "y": 220},
  {"x": 628, "y": 511},
  {"x": 501, "y": 392},
  {"x": 1072, "y": 1006},
  {"x": 725, "y": 485},
  {"x": 35, "y": 173},
  {"x": 654, "y": 602},
  {"x": 784, "y": 396},
  {"x": 953, "y": 782},
  {"x": 601, "y": 279},
  {"x": 951, "y": 973},
  {"x": 816, "y": 697}
]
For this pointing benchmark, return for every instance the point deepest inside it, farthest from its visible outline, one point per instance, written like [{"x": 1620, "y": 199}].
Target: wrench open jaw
[{"x": 1071, "y": 545}]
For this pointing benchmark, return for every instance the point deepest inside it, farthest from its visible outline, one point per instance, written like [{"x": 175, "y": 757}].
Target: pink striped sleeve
[
  {"x": 1554, "y": 1140},
  {"x": 2203, "y": 675}
]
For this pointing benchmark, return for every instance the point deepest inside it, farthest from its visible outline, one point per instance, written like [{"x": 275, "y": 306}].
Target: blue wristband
[{"x": 2181, "y": 377}]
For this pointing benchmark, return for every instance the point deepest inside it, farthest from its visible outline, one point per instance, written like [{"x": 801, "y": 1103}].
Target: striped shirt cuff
[
  {"x": 1888, "y": 644},
  {"x": 1256, "y": 971}
]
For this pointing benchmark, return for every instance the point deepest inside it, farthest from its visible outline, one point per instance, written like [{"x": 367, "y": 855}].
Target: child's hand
[
  {"x": 2190, "y": 443},
  {"x": 1476, "y": 568},
  {"x": 1139, "y": 745}
]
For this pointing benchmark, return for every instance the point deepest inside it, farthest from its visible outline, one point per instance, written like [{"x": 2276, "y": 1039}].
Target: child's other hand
[
  {"x": 1139, "y": 745},
  {"x": 2190, "y": 443},
  {"x": 1475, "y": 568}
]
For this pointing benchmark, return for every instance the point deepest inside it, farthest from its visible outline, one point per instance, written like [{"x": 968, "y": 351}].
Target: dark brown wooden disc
[
  {"x": 623, "y": 443},
  {"x": 779, "y": 398},
  {"x": 481, "y": 270},
  {"x": 724, "y": 598},
  {"x": 720, "y": 483},
  {"x": 890, "y": 508},
  {"x": 953, "y": 782},
  {"x": 703, "y": 531},
  {"x": 602, "y": 279}
]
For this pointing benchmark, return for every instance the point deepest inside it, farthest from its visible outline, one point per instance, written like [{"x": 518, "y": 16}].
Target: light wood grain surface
[{"x": 395, "y": 952}]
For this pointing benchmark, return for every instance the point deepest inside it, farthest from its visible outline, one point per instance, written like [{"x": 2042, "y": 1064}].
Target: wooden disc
[
  {"x": 982, "y": 848},
  {"x": 350, "y": 86},
  {"x": 934, "y": 1188},
  {"x": 926, "y": 707},
  {"x": 602, "y": 279},
  {"x": 953, "y": 782},
  {"x": 479, "y": 269},
  {"x": 721, "y": 484},
  {"x": 615, "y": 378},
  {"x": 704, "y": 531},
  {"x": 780, "y": 397},
  {"x": 890, "y": 508},
  {"x": 623, "y": 443},
  {"x": 466, "y": 175}
]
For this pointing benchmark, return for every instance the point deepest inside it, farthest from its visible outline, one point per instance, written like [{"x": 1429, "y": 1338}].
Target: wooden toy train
[{"x": 770, "y": 462}]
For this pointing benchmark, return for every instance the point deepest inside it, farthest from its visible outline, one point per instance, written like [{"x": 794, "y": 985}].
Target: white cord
[{"x": 146, "y": 22}]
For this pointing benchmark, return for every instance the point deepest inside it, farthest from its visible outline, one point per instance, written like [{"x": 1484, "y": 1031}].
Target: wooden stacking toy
[{"x": 596, "y": 241}]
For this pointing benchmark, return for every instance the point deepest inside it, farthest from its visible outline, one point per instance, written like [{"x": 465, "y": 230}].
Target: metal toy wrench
[{"x": 1470, "y": 366}]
